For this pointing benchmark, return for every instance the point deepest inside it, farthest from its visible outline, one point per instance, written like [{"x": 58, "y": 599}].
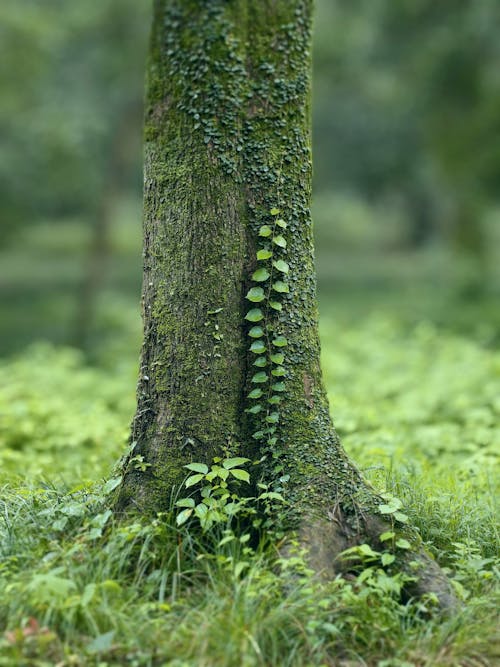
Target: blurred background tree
[{"x": 406, "y": 150}]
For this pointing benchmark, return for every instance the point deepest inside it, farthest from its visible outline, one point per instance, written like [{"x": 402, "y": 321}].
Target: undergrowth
[{"x": 416, "y": 409}]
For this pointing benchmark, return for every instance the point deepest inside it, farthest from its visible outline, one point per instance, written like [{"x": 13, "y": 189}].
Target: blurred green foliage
[
  {"x": 406, "y": 149},
  {"x": 71, "y": 83}
]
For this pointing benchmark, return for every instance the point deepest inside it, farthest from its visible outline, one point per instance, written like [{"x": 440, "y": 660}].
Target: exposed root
[{"x": 326, "y": 539}]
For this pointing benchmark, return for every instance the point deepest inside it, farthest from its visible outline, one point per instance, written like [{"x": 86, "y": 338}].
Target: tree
[{"x": 230, "y": 359}]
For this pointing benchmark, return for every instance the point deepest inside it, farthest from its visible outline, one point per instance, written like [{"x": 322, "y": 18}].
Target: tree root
[{"x": 326, "y": 539}]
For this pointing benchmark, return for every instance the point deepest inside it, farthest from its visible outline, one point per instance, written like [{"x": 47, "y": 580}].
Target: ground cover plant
[{"x": 80, "y": 589}]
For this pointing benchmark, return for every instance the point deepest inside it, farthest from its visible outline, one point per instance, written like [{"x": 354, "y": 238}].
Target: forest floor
[{"x": 416, "y": 402}]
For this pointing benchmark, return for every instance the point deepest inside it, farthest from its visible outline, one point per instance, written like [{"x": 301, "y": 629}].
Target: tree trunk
[{"x": 228, "y": 174}]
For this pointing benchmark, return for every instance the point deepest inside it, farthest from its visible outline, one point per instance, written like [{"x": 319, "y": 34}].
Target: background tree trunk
[{"x": 227, "y": 141}]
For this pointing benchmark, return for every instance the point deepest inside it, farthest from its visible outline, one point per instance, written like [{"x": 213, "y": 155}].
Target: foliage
[
  {"x": 60, "y": 416},
  {"x": 72, "y": 579},
  {"x": 267, "y": 343}
]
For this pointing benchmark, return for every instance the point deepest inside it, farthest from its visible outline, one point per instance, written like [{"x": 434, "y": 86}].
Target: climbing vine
[{"x": 267, "y": 342}]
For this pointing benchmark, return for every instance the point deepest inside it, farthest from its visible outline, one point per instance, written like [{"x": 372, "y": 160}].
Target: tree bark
[{"x": 227, "y": 145}]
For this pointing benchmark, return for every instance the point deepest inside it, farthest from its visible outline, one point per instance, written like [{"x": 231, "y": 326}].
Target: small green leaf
[
  {"x": 388, "y": 535},
  {"x": 236, "y": 461},
  {"x": 280, "y": 341},
  {"x": 260, "y": 275},
  {"x": 281, "y": 223},
  {"x": 281, "y": 265},
  {"x": 402, "y": 518},
  {"x": 264, "y": 253},
  {"x": 259, "y": 377},
  {"x": 366, "y": 550},
  {"x": 254, "y": 315},
  {"x": 274, "y": 211},
  {"x": 183, "y": 516},
  {"x": 273, "y": 418},
  {"x": 197, "y": 467},
  {"x": 278, "y": 386},
  {"x": 257, "y": 347},
  {"x": 255, "y": 409},
  {"x": 215, "y": 312},
  {"x": 279, "y": 241},
  {"x": 403, "y": 544},
  {"x": 240, "y": 474},
  {"x": 265, "y": 230},
  {"x": 277, "y": 358},
  {"x": 111, "y": 484},
  {"x": 281, "y": 287},
  {"x": 256, "y": 332},
  {"x": 274, "y": 400},
  {"x": 276, "y": 305},
  {"x": 256, "y": 294},
  {"x": 258, "y": 435},
  {"x": 185, "y": 502},
  {"x": 387, "y": 559},
  {"x": 255, "y": 393},
  {"x": 193, "y": 479},
  {"x": 278, "y": 372},
  {"x": 260, "y": 362}
]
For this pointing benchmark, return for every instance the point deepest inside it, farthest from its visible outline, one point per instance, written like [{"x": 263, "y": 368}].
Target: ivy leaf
[
  {"x": 193, "y": 479},
  {"x": 260, "y": 275},
  {"x": 278, "y": 386},
  {"x": 278, "y": 372},
  {"x": 197, "y": 467},
  {"x": 240, "y": 474},
  {"x": 185, "y": 502},
  {"x": 264, "y": 253},
  {"x": 403, "y": 544},
  {"x": 257, "y": 347},
  {"x": 280, "y": 341},
  {"x": 281, "y": 223},
  {"x": 273, "y": 418},
  {"x": 276, "y": 305},
  {"x": 256, "y": 294},
  {"x": 388, "y": 535},
  {"x": 254, "y": 315},
  {"x": 236, "y": 461},
  {"x": 274, "y": 400},
  {"x": 260, "y": 362},
  {"x": 259, "y": 377},
  {"x": 387, "y": 559},
  {"x": 258, "y": 435},
  {"x": 274, "y": 211},
  {"x": 265, "y": 230},
  {"x": 280, "y": 286},
  {"x": 279, "y": 241},
  {"x": 277, "y": 358},
  {"x": 255, "y": 393},
  {"x": 256, "y": 332},
  {"x": 254, "y": 409},
  {"x": 183, "y": 516},
  {"x": 402, "y": 518},
  {"x": 281, "y": 265}
]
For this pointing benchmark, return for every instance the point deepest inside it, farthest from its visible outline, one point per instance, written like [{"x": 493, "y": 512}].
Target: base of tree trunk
[{"x": 325, "y": 539}]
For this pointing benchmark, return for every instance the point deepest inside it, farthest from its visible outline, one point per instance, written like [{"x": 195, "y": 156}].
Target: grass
[
  {"x": 412, "y": 373},
  {"x": 416, "y": 406}
]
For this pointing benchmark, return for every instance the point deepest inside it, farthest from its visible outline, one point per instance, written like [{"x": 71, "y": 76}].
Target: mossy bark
[{"x": 227, "y": 139}]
